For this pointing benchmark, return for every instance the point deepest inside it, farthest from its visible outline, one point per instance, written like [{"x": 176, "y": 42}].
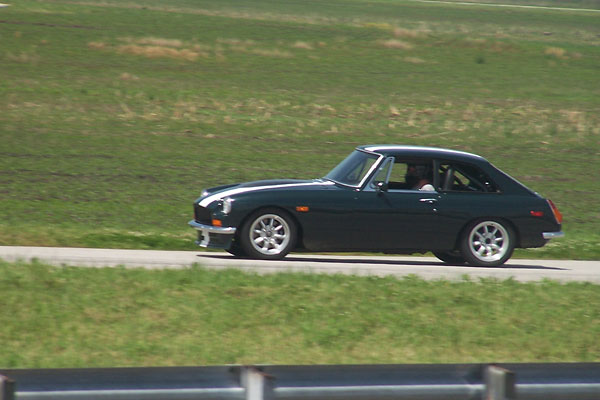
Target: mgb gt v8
[{"x": 382, "y": 198}]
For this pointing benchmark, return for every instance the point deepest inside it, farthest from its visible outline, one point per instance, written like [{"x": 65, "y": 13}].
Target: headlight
[
  {"x": 227, "y": 204},
  {"x": 204, "y": 193}
]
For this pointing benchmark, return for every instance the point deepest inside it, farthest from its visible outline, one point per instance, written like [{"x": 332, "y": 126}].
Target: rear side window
[{"x": 458, "y": 177}]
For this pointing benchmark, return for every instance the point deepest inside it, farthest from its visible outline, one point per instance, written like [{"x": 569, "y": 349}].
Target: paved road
[{"x": 425, "y": 267}]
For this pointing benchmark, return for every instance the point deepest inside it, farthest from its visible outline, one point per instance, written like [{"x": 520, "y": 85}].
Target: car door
[
  {"x": 397, "y": 219},
  {"x": 394, "y": 215}
]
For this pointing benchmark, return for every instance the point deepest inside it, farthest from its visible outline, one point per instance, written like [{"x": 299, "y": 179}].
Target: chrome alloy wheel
[
  {"x": 269, "y": 234},
  {"x": 489, "y": 241}
]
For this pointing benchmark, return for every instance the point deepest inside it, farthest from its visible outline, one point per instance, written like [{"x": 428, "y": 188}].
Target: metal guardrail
[{"x": 565, "y": 381}]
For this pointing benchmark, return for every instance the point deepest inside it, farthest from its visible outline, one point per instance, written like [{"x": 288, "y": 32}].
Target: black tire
[
  {"x": 487, "y": 243},
  {"x": 237, "y": 251},
  {"x": 450, "y": 257},
  {"x": 268, "y": 234}
]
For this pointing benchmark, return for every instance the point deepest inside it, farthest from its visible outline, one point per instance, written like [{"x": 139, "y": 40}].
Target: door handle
[{"x": 428, "y": 201}]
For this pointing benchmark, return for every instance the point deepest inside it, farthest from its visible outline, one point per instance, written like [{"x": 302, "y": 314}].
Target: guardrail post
[
  {"x": 7, "y": 388},
  {"x": 258, "y": 385},
  {"x": 500, "y": 383}
]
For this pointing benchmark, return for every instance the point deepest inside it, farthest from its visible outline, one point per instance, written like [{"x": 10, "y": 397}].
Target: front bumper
[
  {"x": 553, "y": 235},
  {"x": 213, "y": 236}
]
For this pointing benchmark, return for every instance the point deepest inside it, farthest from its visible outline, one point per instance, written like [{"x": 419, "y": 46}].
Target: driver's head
[
  {"x": 415, "y": 173},
  {"x": 418, "y": 171}
]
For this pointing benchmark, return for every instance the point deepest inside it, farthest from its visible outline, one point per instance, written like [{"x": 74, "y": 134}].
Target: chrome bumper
[
  {"x": 208, "y": 229},
  {"x": 553, "y": 235},
  {"x": 227, "y": 230}
]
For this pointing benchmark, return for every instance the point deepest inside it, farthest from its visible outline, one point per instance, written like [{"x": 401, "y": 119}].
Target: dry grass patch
[
  {"x": 23, "y": 57},
  {"x": 396, "y": 44},
  {"x": 414, "y": 60},
  {"x": 556, "y": 52},
  {"x": 320, "y": 109},
  {"x": 158, "y": 52},
  {"x": 97, "y": 45},
  {"x": 408, "y": 33},
  {"x": 236, "y": 42},
  {"x": 577, "y": 120},
  {"x": 249, "y": 47},
  {"x": 126, "y": 76},
  {"x": 152, "y": 47},
  {"x": 272, "y": 53},
  {"x": 152, "y": 41},
  {"x": 302, "y": 45}
]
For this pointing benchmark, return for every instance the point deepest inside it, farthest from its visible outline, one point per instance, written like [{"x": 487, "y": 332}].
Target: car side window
[
  {"x": 397, "y": 179},
  {"x": 383, "y": 172},
  {"x": 457, "y": 177},
  {"x": 358, "y": 172},
  {"x": 410, "y": 175}
]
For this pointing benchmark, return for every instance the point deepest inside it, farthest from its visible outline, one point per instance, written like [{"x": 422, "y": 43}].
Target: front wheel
[
  {"x": 487, "y": 243},
  {"x": 268, "y": 234},
  {"x": 237, "y": 251}
]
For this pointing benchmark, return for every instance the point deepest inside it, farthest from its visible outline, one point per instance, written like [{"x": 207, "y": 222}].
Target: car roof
[{"x": 421, "y": 151}]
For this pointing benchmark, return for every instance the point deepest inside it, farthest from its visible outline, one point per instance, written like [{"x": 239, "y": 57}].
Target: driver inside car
[{"x": 419, "y": 177}]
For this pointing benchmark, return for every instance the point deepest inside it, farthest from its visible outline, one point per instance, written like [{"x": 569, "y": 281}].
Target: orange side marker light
[{"x": 557, "y": 215}]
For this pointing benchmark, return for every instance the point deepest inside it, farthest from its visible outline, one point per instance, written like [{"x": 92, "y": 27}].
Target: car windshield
[{"x": 353, "y": 169}]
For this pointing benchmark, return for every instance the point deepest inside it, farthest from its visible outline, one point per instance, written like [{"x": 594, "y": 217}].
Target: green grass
[
  {"x": 83, "y": 317},
  {"x": 116, "y": 114}
]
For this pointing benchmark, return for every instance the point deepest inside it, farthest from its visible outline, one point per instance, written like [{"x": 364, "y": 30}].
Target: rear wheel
[
  {"x": 450, "y": 257},
  {"x": 487, "y": 243},
  {"x": 269, "y": 234}
]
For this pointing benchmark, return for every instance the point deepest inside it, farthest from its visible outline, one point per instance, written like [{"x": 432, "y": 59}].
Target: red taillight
[
  {"x": 557, "y": 215},
  {"x": 536, "y": 213}
]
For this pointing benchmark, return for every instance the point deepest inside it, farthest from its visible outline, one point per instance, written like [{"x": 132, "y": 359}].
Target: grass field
[
  {"x": 80, "y": 317},
  {"x": 116, "y": 114}
]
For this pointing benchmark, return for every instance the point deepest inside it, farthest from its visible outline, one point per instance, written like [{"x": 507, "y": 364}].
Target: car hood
[
  {"x": 274, "y": 182},
  {"x": 266, "y": 183},
  {"x": 220, "y": 192}
]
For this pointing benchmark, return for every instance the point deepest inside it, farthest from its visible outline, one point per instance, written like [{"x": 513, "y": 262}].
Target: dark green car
[{"x": 383, "y": 198}]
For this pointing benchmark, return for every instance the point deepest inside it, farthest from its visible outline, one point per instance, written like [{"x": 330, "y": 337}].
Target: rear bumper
[
  {"x": 213, "y": 236},
  {"x": 553, "y": 235}
]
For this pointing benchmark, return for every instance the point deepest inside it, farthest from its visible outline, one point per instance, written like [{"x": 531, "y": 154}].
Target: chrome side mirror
[{"x": 381, "y": 187}]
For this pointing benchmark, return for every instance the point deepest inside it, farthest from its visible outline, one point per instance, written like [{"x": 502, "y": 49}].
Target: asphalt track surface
[{"x": 424, "y": 267}]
